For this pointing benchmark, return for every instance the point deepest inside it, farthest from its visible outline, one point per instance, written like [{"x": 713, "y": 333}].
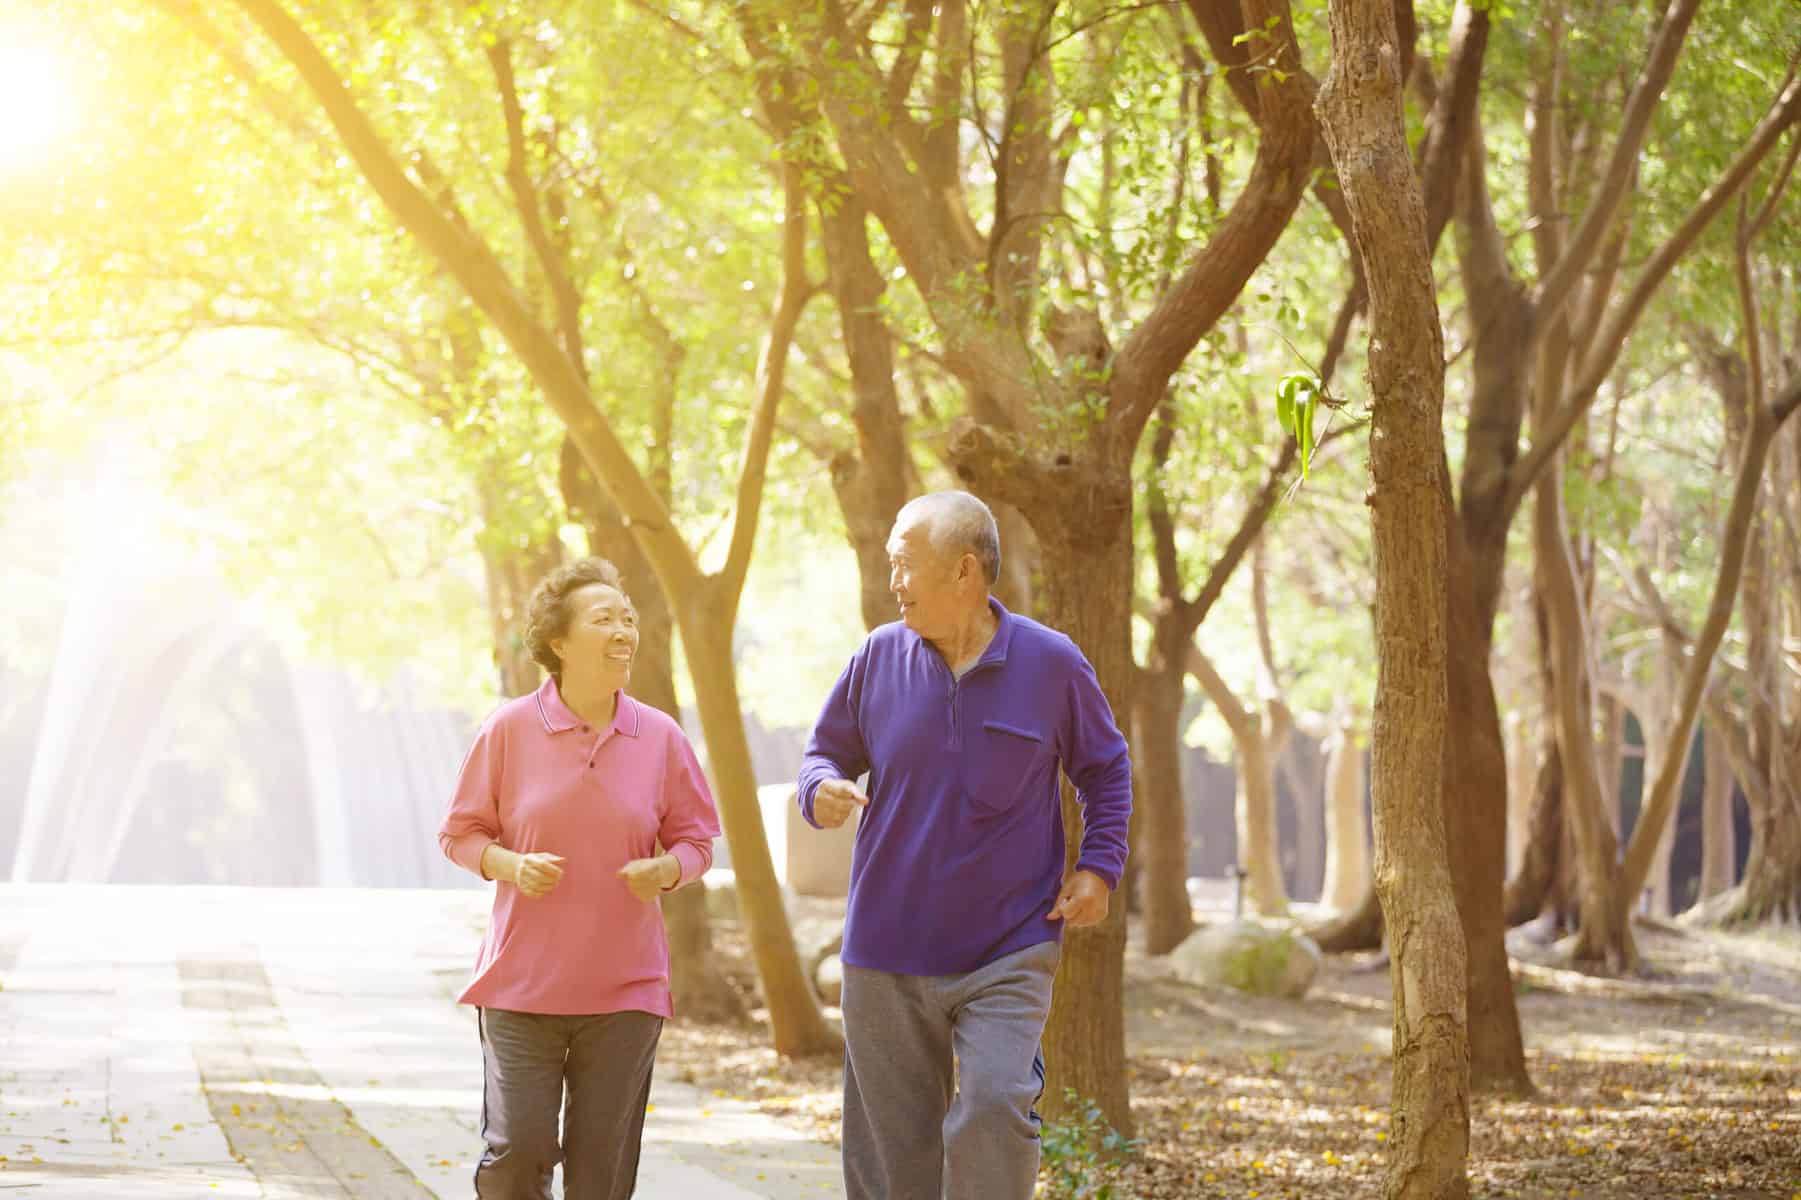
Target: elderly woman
[{"x": 563, "y": 801}]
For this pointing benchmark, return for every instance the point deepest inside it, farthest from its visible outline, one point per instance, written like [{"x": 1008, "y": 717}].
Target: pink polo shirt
[{"x": 539, "y": 779}]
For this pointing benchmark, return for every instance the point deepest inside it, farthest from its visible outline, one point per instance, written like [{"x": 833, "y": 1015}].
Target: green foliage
[
  {"x": 1297, "y": 395},
  {"x": 1082, "y": 1153}
]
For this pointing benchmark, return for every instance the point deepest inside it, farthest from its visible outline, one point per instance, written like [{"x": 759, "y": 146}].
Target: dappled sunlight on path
[{"x": 185, "y": 1042}]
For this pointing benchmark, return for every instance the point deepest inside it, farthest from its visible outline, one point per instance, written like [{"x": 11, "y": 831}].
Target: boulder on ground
[
  {"x": 1260, "y": 957},
  {"x": 829, "y": 979}
]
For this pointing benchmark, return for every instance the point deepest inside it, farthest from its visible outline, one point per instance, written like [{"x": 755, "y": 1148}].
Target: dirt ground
[{"x": 1685, "y": 1083}]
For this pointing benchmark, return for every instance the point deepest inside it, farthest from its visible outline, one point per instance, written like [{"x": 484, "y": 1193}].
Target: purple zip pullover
[{"x": 959, "y": 855}]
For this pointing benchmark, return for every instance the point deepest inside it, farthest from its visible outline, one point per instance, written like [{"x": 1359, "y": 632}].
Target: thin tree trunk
[
  {"x": 1347, "y": 828},
  {"x": 1605, "y": 935},
  {"x": 1741, "y": 520},
  {"x": 1360, "y": 108},
  {"x": 1530, "y": 889},
  {"x": 1473, "y": 798},
  {"x": 702, "y": 990},
  {"x": 1304, "y": 770},
  {"x": 1257, "y": 737},
  {"x": 1719, "y": 840},
  {"x": 1163, "y": 844},
  {"x": 1610, "y": 760}
]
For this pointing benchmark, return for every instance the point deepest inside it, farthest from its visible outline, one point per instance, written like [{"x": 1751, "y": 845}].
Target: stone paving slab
[{"x": 288, "y": 1044}]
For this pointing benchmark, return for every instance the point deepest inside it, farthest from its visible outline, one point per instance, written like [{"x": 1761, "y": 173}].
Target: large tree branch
[
  {"x": 928, "y": 224},
  {"x": 566, "y": 298},
  {"x": 1025, "y": 171},
  {"x": 1548, "y": 298},
  {"x": 1453, "y": 116},
  {"x": 1736, "y": 536},
  {"x": 772, "y": 374},
  {"x": 1237, "y": 717},
  {"x": 1211, "y": 283},
  {"x": 1605, "y": 350},
  {"x": 473, "y": 264}
]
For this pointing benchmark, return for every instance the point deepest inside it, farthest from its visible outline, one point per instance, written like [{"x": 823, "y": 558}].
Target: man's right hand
[{"x": 835, "y": 800}]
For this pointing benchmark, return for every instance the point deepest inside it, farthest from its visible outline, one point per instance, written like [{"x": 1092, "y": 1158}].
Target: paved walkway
[{"x": 175, "y": 1043}]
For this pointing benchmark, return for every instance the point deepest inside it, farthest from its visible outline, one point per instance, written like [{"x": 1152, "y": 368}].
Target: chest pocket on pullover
[{"x": 1000, "y": 762}]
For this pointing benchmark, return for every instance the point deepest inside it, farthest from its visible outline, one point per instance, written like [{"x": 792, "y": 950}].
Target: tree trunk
[
  {"x": 510, "y": 575},
  {"x": 1360, "y": 107},
  {"x": 703, "y": 992},
  {"x": 1473, "y": 796},
  {"x": 1719, "y": 848},
  {"x": 1741, "y": 518},
  {"x": 1604, "y": 934},
  {"x": 707, "y": 638},
  {"x": 1162, "y": 852},
  {"x": 1259, "y": 855},
  {"x": 1304, "y": 772},
  {"x": 1347, "y": 829},
  {"x": 1610, "y": 761},
  {"x": 1257, "y": 738},
  {"x": 1772, "y": 886},
  {"x": 871, "y": 481},
  {"x": 1358, "y": 929},
  {"x": 1085, "y": 593},
  {"x": 1530, "y": 889}
]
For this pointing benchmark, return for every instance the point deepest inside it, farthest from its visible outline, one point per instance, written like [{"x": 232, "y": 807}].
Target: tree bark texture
[
  {"x": 1085, "y": 1039},
  {"x": 1360, "y": 108}
]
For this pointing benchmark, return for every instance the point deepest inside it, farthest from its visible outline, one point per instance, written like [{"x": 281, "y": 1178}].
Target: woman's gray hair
[
  {"x": 547, "y": 613},
  {"x": 958, "y": 523}
]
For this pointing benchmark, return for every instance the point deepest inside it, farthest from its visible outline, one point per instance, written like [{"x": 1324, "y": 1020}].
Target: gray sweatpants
[
  {"x": 906, "y": 1136},
  {"x": 530, "y": 1060}
]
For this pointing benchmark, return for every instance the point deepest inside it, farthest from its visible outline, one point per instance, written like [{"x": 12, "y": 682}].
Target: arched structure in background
[{"x": 179, "y": 742}]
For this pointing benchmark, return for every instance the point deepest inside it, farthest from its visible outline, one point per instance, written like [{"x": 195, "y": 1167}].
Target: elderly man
[{"x": 961, "y": 713}]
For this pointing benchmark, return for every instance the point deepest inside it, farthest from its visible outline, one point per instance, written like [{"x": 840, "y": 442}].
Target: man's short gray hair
[{"x": 958, "y": 523}]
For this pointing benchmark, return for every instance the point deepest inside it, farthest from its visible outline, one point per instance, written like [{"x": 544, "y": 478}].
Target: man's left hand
[{"x": 1082, "y": 902}]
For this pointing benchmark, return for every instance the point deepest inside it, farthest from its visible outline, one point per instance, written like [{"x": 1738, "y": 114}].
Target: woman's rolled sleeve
[
  {"x": 473, "y": 822},
  {"x": 690, "y": 821}
]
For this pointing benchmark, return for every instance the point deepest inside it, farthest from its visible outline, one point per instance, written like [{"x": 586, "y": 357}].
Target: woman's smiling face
[{"x": 602, "y": 635}]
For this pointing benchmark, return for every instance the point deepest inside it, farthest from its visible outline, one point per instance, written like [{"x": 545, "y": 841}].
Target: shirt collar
[
  {"x": 1003, "y": 633},
  {"x": 558, "y": 717},
  {"x": 996, "y": 650}
]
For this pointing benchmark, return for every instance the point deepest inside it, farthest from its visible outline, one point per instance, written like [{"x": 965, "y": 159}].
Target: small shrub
[{"x": 1082, "y": 1154}]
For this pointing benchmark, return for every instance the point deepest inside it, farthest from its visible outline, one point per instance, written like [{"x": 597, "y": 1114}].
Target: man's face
[{"x": 924, "y": 580}]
